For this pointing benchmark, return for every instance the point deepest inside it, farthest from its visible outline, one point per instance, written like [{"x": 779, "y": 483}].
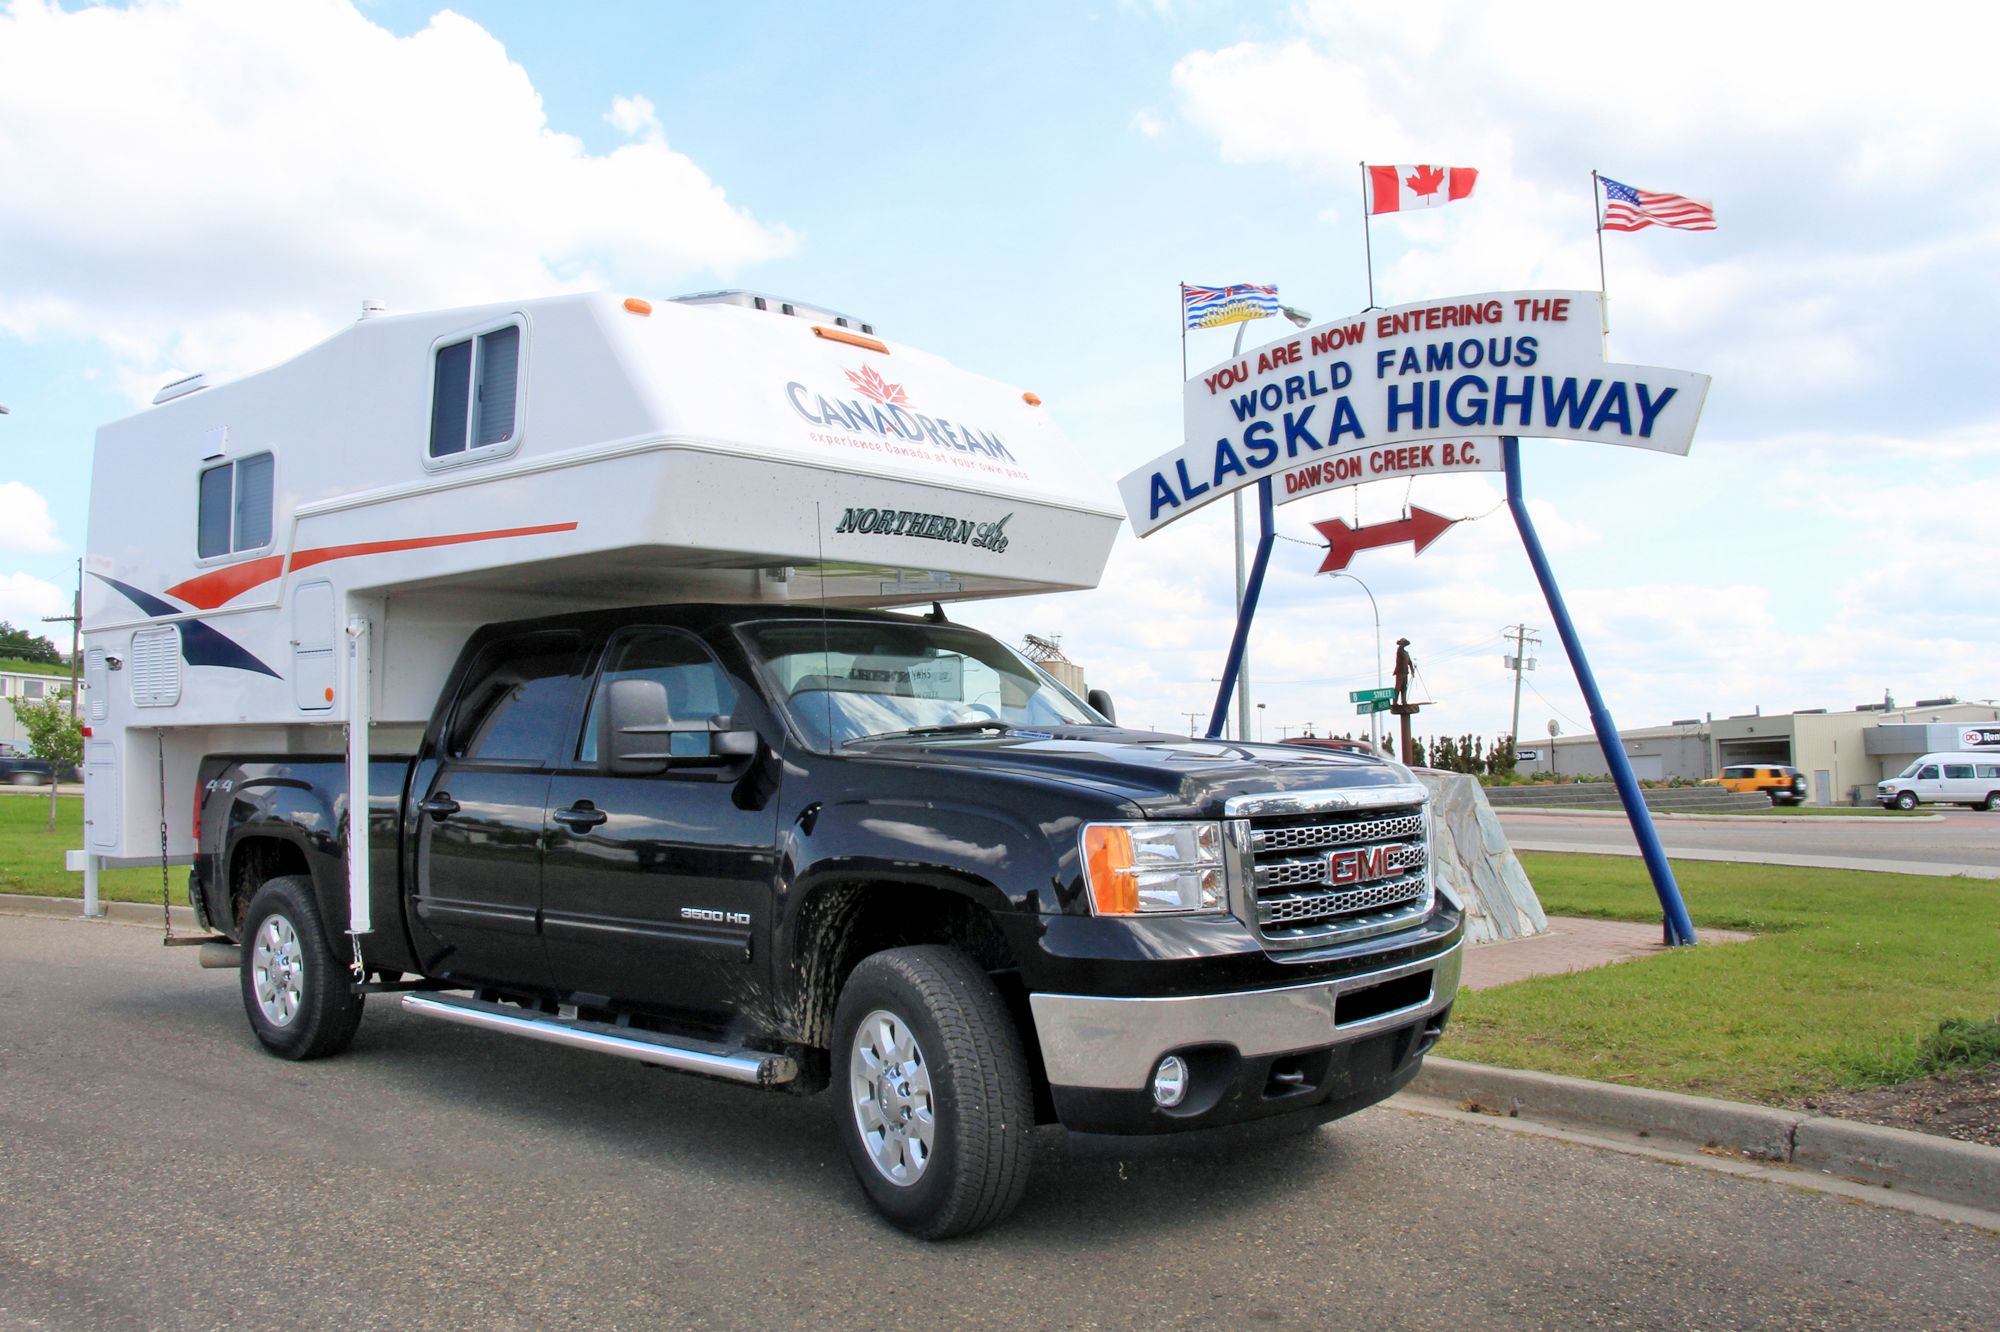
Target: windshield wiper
[{"x": 943, "y": 728}]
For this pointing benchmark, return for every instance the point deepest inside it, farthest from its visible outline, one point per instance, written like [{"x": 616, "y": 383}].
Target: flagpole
[
  {"x": 1603, "y": 297},
  {"x": 1183, "y": 319},
  {"x": 1367, "y": 236}
]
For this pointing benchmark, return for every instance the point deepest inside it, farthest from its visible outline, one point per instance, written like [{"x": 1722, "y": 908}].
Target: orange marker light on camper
[
  {"x": 637, "y": 306},
  {"x": 1032, "y": 399},
  {"x": 851, "y": 339}
]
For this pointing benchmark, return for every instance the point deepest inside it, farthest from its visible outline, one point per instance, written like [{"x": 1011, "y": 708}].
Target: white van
[{"x": 1944, "y": 779}]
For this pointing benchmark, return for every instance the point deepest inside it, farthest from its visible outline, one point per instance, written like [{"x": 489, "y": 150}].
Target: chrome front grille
[{"x": 1295, "y": 892}]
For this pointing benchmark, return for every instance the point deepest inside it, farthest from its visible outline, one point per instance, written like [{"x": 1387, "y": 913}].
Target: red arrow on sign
[{"x": 1422, "y": 526}]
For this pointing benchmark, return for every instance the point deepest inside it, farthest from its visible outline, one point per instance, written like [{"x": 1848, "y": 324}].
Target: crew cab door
[
  {"x": 481, "y": 802},
  {"x": 657, "y": 886}
]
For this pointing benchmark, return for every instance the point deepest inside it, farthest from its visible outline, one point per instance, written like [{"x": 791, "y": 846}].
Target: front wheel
[
  {"x": 295, "y": 987},
  {"x": 1992, "y": 802},
  {"x": 1906, "y": 800},
  {"x": 936, "y": 1104}
]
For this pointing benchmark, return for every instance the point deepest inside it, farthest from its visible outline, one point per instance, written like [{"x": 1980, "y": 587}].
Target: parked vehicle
[
  {"x": 1944, "y": 779},
  {"x": 644, "y": 766},
  {"x": 1785, "y": 786},
  {"x": 19, "y": 769}
]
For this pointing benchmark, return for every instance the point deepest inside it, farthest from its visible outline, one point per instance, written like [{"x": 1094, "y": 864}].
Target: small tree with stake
[{"x": 53, "y": 734}]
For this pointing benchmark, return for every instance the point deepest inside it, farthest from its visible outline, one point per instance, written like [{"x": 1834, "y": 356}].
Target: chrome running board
[{"x": 717, "y": 1061}]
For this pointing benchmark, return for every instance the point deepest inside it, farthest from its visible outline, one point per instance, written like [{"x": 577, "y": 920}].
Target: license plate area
[{"x": 1373, "y": 1001}]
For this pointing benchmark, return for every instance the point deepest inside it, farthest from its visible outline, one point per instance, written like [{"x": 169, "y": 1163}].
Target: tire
[
  {"x": 1906, "y": 800},
  {"x": 1992, "y": 803},
  {"x": 295, "y": 987},
  {"x": 943, "y": 1150},
  {"x": 24, "y": 777}
]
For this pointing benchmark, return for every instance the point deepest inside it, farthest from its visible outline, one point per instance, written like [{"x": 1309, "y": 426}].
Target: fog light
[{"x": 1170, "y": 1082}]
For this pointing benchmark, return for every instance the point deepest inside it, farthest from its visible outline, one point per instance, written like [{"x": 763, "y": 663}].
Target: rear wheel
[
  {"x": 1992, "y": 802},
  {"x": 936, "y": 1105},
  {"x": 295, "y": 987},
  {"x": 1906, "y": 800}
]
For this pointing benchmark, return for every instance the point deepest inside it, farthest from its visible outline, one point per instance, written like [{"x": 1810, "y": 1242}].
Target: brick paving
[{"x": 1573, "y": 943}]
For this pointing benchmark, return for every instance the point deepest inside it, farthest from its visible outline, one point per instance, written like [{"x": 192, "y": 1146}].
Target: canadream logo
[{"x": 883, "y": 410}]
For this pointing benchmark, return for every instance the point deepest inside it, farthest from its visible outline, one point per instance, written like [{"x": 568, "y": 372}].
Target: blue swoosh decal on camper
[{"x": 201, "y": 643}]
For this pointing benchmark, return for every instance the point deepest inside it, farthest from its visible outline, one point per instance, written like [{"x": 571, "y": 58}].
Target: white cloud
[
  {"x": 25, "y": 522},
  {"x": 636, "y": 118},
  {"x": 208, "y": 184},
  {"x": 25, "y": 599},
  {"x": 1147, "y": 124}
]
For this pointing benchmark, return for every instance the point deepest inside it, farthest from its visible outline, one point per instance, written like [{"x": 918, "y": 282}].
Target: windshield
[
  {"x": 1911, "y": 771},
  {"x": 842, "y": 680}
]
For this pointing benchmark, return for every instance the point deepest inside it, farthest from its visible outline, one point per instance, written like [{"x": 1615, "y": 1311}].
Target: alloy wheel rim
[
  {"x": 277, "y": 971},
  {"x": 889, "y": 1086}
]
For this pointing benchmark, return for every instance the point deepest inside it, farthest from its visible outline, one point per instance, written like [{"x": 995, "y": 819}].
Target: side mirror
[
  {"x": 637, "y": 735},
  {"x": 1101, "y": 700}
]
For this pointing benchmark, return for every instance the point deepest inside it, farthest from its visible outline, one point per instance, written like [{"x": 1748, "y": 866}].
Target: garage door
[{"x": 1649, "y": 767}]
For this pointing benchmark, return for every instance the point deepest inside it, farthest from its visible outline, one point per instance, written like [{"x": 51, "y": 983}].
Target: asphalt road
[
  {"x": 1955, "y": 837},
  {"x": 159, "y": 1171}
]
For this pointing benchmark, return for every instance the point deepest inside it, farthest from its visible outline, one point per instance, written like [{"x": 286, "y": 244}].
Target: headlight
[{"x": 1144, "y": 869}]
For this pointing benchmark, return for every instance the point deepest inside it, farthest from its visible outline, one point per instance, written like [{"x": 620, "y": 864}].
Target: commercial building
[
  {"x": 33, "y": 686},
  {"x": 1843, "y": 754}
]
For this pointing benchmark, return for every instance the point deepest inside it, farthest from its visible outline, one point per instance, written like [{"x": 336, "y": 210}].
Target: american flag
[
  {"x": 1627, "y": 209},
  {"x": 1208, "y": 307}
]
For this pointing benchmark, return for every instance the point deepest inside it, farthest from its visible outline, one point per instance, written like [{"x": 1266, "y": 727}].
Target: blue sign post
[{"x": 1678, "y": 928}]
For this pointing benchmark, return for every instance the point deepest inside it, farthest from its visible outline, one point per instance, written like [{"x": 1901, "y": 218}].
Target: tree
[
  {"x": 20, "y": 645},
  {"x": 52, "y": 734}
]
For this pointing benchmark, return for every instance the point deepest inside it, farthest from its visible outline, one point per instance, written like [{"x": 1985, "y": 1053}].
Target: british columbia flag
[{"x": 1208, "y": 307}]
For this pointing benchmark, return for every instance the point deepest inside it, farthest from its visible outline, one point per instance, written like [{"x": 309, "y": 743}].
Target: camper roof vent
[
  {"x": 755, "y": 300},
  {"x": 180, "y": 388},
  {"x": 370, "y": 307}
]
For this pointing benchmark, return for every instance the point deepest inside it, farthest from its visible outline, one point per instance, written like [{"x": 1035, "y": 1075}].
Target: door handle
[
  {"x": 580, "y": 817},
  {"x": 440, "y": 806}
]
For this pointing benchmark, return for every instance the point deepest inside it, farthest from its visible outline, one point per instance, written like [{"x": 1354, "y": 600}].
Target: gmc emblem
[{"x": 1357, "y": 865}]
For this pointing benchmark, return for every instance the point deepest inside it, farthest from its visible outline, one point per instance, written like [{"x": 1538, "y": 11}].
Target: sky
[{"x": 214, "y": 185}]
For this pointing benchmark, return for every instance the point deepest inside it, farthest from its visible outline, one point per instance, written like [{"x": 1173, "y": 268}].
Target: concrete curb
[
  {"x": 1932, "y": 869},
  {"x": 115, "y": 913},
  {"x": 1944, "y": 1169}
]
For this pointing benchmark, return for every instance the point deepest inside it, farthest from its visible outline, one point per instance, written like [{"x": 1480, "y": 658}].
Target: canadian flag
[{"x": 1397, "y": 189}]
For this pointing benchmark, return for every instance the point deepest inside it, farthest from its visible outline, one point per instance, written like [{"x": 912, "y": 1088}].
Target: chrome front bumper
[{"x": 1114, "y": 1043}]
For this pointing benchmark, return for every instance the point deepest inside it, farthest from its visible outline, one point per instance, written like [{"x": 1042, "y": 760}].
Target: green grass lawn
[
  {"x": 1851, "y": 973},
  {"x": 31, "y": 857}
]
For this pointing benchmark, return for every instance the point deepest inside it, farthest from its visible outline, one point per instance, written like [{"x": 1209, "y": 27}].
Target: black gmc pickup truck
[{"x": 877, "y": 853}]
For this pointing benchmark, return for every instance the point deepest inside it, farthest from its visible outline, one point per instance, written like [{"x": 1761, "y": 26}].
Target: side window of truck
[
  {"x": 696, "y": 687},
  {"x": 514, "y": 701},
  {"x": 475, "y": 393},
  {"x": 233, "y": 508}
]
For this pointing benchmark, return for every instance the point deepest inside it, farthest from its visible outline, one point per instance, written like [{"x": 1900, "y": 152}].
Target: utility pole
[
  {"x": 1192, "y": 717},
  {"x": 1520, "y": 662}
]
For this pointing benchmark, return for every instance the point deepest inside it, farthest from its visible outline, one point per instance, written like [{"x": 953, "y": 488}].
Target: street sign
[
  {"x": 1373, "y": 705},
  {"x": 1387, "y": 695},
  {"x": 1527, "y": 755}
]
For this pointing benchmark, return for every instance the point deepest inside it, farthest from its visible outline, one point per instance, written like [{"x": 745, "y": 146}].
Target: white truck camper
[{"x": 290, "y": 562}]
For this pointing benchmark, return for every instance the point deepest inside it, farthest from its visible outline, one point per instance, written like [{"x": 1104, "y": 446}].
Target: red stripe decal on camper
[{"x": 218, "y": 587}]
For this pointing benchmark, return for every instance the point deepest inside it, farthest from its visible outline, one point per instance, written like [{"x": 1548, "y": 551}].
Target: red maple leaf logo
[
  {"x": 1426, "y": 180},
  {"x": 877, "y": 387}
]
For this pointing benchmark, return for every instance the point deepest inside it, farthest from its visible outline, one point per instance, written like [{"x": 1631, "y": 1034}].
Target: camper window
[
  {"x": 475, "y": 392},
  {"x": 233, "y": 513}
]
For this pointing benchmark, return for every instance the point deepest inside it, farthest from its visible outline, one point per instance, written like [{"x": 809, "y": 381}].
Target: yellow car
[{"x": 1785, "y": 786}]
